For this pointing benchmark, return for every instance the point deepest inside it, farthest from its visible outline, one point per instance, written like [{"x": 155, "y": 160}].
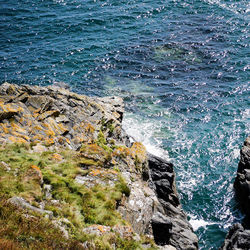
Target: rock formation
[
  {"x": 169, "y": 223},
  {"x": 238, "y": 236},
  {"x": 76, "y": 164}
]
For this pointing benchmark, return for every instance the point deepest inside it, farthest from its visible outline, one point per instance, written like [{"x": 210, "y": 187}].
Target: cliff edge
[{"x": 67, "y": 166}]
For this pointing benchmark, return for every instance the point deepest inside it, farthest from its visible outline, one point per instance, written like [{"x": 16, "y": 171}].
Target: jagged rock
[
  {"x": 242, "y": 181},
  {"x": 237, "y": 238},
  {"x": 23, "y": 204},
  {"x": 56, "y": 116},
  {"x": 7, "y": 114},
  {"x": 170, "y": 226}
]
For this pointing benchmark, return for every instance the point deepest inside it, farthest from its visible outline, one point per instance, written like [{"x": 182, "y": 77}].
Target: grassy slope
[{"x": 80, "y": 205}]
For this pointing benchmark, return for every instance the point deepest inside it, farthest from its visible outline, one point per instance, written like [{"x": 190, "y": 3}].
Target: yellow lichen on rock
[
  {"x": 17, "y": 139},
  {"x": 139, "y": 151},
  {"x": 57, "y": 157}
]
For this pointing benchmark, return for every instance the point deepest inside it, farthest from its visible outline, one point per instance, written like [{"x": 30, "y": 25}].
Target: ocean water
[{"x": 182, "y": 68}]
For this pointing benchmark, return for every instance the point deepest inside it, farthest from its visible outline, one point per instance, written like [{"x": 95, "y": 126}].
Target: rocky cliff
[
  {"x": 68, "y": 166},
  {"x": 238, "y": 236}
]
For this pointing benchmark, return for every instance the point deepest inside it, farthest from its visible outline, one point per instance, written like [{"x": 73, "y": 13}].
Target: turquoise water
[{"x": 181, "y": 66}]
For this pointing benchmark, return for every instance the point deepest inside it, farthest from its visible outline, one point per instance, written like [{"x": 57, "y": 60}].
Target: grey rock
[
  {"x": 162, "y": 228},
  {"x": 5, "y": 166},
  {"x": 167, "y": 247},
  {"x": 47, "y": 191},
  {"x": 23, "y": 204},
  {"x": 60, "y": 118},
  {"x": 62, "y": 225},
  {"x": 138, "y": 208},
  {"x": 61, "y": 85},
  {"x": 237, "y": 238},
  {"x": 170, "y": 226}
]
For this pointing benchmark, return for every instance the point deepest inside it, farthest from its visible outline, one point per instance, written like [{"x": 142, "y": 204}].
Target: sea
[{"x": 182, "y": 68}]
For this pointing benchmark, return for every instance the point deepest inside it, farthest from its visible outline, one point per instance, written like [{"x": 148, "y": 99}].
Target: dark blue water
[{"x": 181, "y": 66}]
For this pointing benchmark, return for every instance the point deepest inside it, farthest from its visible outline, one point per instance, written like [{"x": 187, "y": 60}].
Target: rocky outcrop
[
  {"x": 169, "y": 223},
  {"x": 242, "y": 181},
  {"x": 124, "y": 180},
  {"x": 237, "y": 238},
  {"x": 56, "y": 116},
  {"x": 22, "y": 204}
]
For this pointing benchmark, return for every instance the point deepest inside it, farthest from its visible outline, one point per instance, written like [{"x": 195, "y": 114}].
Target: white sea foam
[
  {"x": 142, "y": 130},
  {"x": 197, "y": 223}
]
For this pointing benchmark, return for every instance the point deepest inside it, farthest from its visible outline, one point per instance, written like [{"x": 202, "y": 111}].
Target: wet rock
[
  {"x": 237, "y": 238},
  {"x": 169, "y": 223},
  {"x": 242, "y": 181},
  {"x": 23, "y": 204}
]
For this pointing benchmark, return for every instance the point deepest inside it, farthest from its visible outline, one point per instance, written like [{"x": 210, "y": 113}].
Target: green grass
[
  {"x": 28, "y": 231},
  {"x": 82, "y": 206}
]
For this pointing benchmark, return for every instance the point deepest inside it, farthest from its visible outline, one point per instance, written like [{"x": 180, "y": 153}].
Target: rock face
[
  {"x": 169, "y": 223},
  {"x": 242, "y": 181},
  {"x": 237, "y": 238},
  {"x": 52, "y": 118}
]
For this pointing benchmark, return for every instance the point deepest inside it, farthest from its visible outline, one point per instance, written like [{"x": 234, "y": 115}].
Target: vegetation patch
[{"x": 25, "y": 173}]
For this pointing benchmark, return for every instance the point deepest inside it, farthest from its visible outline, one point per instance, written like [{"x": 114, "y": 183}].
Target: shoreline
[{"x": 91, "y": 127}]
